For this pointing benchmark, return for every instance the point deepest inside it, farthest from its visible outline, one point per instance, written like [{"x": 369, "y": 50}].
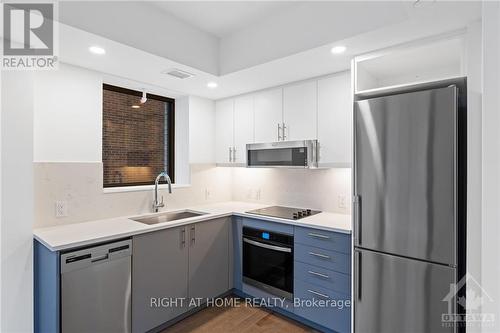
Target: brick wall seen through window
[{"x": 138, "y": 139}]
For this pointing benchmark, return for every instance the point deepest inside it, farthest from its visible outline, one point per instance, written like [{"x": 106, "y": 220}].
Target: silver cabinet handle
[
  {"x": 312, "y": 234},
  {"x": 234, "y": 154},
  {"x": 267, "y": 246},
  {"x": 193, "y": 234},
  {"x": 183, "y": 237},
  {"x": 318, "y": 274},
  {"x": 279, "y": 132},
  {"x": 230, "y": 156},
  {"x": 284, "y": 131},
  {"x": 318, "y": 294},
  {"x": 322, "y": 256}
]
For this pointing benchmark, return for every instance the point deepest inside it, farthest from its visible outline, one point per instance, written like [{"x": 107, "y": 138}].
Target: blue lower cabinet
[
  {"x": 335, "y": 261},
  {"x": 328, "y": 240},
  {"x": 322, "y": 306},
  {"x": 323, "y": 277}
]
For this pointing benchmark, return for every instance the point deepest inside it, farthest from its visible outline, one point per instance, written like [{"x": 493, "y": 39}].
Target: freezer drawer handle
[
  {"x": 322, "y": 256},
  {"x": 317, "y": 294},
  {"x": 358, "y": 276},
  {"x": 318, "y": 274},
  {"x": 312, "y": 234},
  {"x": 100, "y": 258}
]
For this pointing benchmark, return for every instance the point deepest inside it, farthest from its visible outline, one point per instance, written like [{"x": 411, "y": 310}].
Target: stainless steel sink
[{"x": 168, "y": 217}]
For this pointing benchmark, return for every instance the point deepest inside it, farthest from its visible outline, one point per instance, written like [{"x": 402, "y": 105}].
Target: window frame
[{"x": 170, "y": 129}]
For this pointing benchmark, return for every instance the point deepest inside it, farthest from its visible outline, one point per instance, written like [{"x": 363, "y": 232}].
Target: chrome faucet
[{"x": 157, "y": 204}]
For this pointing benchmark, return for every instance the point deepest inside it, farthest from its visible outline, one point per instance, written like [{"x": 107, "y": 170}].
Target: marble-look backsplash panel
[
  {"x": 310, "y": 188},
  {"x": 80, "y": 185}
]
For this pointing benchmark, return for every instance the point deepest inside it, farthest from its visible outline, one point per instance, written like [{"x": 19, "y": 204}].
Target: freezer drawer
[
  {"x": 331, "y": 309},
  {"x": 399, "y": 295},
  {"x": 405, "y": 174}
]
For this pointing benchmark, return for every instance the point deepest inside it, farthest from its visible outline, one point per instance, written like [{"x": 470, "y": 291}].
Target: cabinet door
[
  {"x": 243, "y": 127},
  {"x": 300, "y": 111},
  {"x": 335, "y": 120},
  {"x": 224, "y": 135},
  {"x": 268, "y": 111},
  {"x": 208, "y": 258},
  {"x": 159, "y": 270}
]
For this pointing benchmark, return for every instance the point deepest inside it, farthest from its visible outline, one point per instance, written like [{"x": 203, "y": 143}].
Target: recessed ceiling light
[
  {"x": 136, "y": 107},
  {"x": 212, "y": 85},
  {"x": 97, "y": 50},
  {"x": 338, "y": 49}
]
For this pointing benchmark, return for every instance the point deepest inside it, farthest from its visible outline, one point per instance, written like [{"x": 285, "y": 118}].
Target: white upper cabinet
[
  {"x": 243, "y": 127},
  {"x": 300, "y": 111},
  {"x": 224, "y": 131},
  {"x": 316, "y": 109},
  {"x": 335, "y": 120},
  {"x": 268, "y": 113}
]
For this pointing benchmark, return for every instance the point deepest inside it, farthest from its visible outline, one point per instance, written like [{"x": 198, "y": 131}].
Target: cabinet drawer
[
  {"x": 336, "y": 261},
  {"x": 323, "y": 277},
  {"x": 328, "y": 240},
  {"x": 334, "y": 313}
]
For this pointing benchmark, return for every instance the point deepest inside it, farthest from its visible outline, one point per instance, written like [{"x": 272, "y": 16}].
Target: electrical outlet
[
  {"x": 61, "y": 208},
  {"x": 257, "y": 194},
  {"x": 342, "y": 201},
  {"x": 207, "y": 194}
]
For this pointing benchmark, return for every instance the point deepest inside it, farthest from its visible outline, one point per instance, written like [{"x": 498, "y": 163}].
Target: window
[{"x": 138, "y": 139}]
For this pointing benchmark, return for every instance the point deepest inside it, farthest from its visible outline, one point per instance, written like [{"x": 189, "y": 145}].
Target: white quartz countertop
[{"x": 73, "y": 235}]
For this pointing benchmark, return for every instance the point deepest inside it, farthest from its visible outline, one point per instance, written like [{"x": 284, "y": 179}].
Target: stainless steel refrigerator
[{"x": 409, "y": 207}]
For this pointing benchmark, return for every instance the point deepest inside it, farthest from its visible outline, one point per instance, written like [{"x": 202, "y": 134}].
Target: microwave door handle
[{"x": 267, "y": 246}]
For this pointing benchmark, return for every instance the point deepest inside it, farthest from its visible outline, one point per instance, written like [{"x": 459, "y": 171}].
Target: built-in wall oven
[
  {"x": 268, "y": 261},
  {"x": 283, "y": 154}
]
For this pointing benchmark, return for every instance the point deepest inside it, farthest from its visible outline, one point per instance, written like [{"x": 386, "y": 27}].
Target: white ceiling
[
  {"x": 222, "y": 18},
  {"x": 143, "y": 63}
]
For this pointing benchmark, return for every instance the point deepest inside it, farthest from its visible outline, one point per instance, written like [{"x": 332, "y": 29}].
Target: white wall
[
  {"x": 68, "y": 118},
  {"x": 17, "y": 202},
  {"x": 473, "y": 60},
  {"x": 491, "y": 162},
  {"x": 68, "y": 115},
  {"x": 182, "y": 173}
]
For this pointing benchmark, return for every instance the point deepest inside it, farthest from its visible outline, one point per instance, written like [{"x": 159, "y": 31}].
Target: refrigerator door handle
[
  {"x": 357, "y": 219},
  {"x": 357, "y": 275}
]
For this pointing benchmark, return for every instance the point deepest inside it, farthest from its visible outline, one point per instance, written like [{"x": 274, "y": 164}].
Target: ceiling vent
[{"x": 180, "y": 74}]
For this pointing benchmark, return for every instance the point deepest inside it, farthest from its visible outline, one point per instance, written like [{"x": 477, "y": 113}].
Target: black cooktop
[{"x": 289, "y": 213}]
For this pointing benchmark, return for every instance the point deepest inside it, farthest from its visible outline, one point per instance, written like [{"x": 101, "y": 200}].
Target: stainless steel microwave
[{"x": 283, "y": 154}]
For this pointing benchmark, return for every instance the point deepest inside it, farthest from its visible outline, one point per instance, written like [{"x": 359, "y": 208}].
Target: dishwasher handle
[{"x": 78, "y": 259}]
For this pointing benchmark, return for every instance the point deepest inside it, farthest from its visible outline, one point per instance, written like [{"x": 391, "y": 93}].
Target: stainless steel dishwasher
[{"x": 96, "y": 289}]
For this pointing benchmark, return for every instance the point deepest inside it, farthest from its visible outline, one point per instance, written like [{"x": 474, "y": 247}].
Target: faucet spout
[{"x": 156, "y": 203}]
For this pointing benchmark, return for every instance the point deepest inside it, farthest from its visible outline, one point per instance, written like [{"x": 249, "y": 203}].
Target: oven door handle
[{"x": 267, "y": 246}]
